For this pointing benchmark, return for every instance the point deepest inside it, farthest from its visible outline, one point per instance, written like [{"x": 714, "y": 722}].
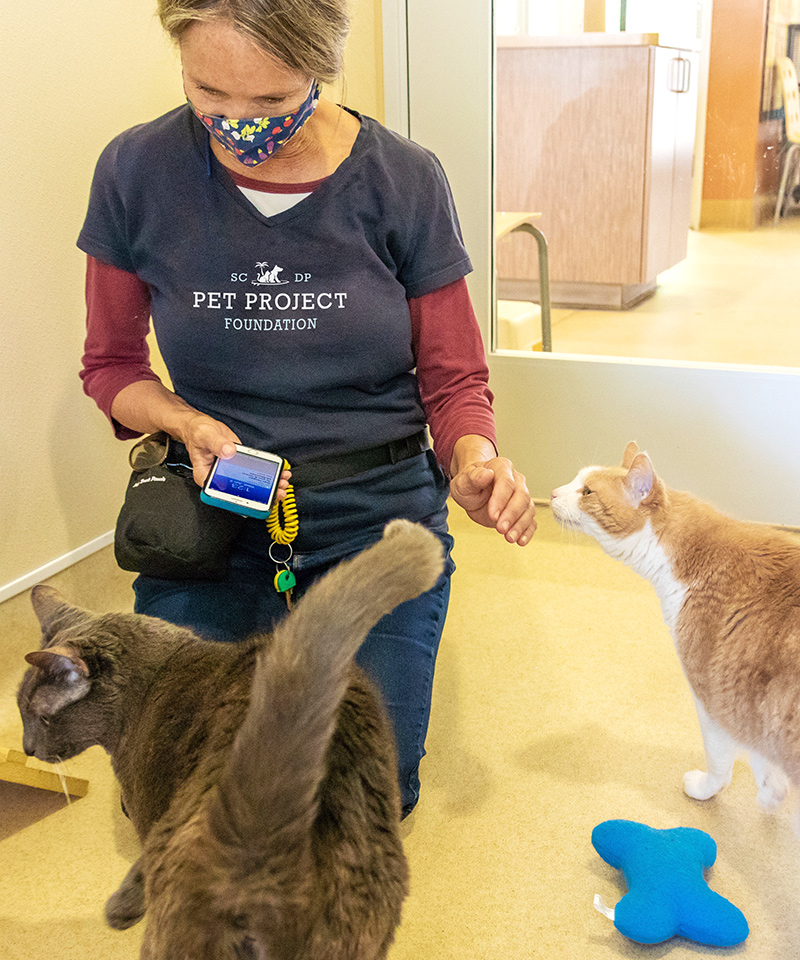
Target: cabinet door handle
[
  {"x": 673, "y": 69},
  {"x": 687, "y": 74},
  {"x": 680, "y": 75}
]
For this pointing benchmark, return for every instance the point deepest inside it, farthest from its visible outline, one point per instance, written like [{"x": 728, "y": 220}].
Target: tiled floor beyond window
[{"x": 735, "y": 299}]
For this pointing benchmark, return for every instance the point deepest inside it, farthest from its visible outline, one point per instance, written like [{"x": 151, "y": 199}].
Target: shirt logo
[{"x": 267, "y": 276}]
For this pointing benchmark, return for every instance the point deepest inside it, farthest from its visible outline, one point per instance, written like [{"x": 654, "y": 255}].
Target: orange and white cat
[{"x": 730, "y": 595}]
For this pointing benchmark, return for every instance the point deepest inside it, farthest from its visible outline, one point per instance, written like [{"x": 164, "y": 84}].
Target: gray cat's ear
[
  {"x": 58, "y": 660},
  {"x": 66, "y": 678},
  {"x": 53, "y": 612},
  {"x": 640, "y": 479},
  {"x": 630, "y": 452}
]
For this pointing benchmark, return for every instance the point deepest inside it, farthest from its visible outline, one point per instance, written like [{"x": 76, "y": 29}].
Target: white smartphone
[{"x": 246, "y": 483}]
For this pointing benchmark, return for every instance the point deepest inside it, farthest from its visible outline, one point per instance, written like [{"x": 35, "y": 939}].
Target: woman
[{"x": 304, "y": 270}]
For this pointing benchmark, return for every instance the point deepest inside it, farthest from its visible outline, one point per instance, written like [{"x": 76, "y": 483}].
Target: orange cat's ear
[
  {"x": 640, "y": 479},
  {"x": 630, "y": 452}
]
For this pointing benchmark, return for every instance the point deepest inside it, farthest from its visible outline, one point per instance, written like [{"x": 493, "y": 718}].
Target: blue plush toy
[{"x": 667, "y": 892}]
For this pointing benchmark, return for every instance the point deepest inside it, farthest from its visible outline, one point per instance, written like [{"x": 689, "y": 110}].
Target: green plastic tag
[{"x": 284, "y": 580}]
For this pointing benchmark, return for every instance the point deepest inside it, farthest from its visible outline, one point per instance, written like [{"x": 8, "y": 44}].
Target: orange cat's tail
[{"x": 266, "y": 799}]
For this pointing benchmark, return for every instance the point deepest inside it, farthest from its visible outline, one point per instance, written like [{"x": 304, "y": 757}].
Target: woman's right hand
[
  {"x": 148, "y": 406},
  {"x": 206, "y": 438}
]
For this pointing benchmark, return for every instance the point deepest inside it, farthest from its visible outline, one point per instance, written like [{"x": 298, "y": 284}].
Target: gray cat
[{"x": 261, "y": 777}]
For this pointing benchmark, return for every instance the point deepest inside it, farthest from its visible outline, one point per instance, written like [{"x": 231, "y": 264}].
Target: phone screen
[{"x": 246, "y": 476}]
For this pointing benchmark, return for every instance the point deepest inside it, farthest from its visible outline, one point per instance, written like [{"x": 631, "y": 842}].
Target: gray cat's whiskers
[{"x": 61, "y": 773}]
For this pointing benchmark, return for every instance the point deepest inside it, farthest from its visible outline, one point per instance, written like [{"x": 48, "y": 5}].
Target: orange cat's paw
[
  {"x": 773, "y": 785},
  {"x": 773, "y": 792},
  {"x": 700, "y": 785}
]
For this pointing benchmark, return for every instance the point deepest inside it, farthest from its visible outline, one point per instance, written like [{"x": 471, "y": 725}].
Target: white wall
[{"x": 74, "y": 75}]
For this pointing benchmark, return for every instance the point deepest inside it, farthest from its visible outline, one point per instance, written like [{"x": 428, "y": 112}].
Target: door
[
  {"x": 670, "y": 163},
  {"x": 728, "y": 433},
  {"x": 684, "y": 81}
]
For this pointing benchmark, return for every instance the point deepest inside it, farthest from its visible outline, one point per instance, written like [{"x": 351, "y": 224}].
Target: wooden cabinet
[{"x": 597, "y": 134}]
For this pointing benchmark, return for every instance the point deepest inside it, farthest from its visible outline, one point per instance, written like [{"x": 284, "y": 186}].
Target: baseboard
[
  {"x": 734, "y": 214},
  {"x": 55, "y": 566},
  {"x": 579, "y": 296}
]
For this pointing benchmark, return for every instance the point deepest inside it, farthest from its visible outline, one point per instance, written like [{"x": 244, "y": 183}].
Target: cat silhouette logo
[{"x": 268, "y": 277}]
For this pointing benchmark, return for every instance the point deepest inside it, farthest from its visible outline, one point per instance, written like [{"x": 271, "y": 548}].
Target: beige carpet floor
[{"x": 559, "y": 703}]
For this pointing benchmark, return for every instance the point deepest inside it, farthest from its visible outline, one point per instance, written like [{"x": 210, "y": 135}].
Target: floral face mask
[{"x": 254, "y": 141}]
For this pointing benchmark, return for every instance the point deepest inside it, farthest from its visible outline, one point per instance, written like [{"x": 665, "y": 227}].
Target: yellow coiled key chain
[{"x": 282, "y": 525}]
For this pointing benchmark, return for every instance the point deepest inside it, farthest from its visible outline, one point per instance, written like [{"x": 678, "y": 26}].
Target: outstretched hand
[{"x": 494, "y": 494}]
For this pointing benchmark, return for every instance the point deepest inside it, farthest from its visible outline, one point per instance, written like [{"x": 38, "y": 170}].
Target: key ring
[
  {"x": 277, "y": 560},
  {"x": 284, "y": 580}
]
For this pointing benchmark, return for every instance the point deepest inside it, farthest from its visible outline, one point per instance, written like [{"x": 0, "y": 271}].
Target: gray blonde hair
[{"x": 307, "y": 35}]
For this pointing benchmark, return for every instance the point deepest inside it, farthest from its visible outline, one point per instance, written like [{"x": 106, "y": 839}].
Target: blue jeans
[{"x": 399, "y": 653}]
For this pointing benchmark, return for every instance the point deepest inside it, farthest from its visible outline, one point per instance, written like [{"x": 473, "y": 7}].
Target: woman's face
[{"x": 226, "y": 75}]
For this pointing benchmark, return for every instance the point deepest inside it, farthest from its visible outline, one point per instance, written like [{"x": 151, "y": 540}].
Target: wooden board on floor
[{"x": 15, "y": 767}]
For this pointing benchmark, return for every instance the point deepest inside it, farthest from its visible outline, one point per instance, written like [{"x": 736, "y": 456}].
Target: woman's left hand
[{"x": 494, "y": 494}]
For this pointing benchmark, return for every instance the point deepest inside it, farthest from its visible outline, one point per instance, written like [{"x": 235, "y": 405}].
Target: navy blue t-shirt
[{"x": 294, "y": 329}]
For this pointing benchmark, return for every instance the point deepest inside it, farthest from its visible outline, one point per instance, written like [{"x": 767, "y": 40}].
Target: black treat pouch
[{"x": 164, "y": 529}]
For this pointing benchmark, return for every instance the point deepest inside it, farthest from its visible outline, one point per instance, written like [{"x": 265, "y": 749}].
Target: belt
[{"x": 312, "y": 473}]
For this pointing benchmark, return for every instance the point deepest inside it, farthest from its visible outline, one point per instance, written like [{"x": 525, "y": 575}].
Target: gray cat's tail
[{"x": 266, "y": 799}]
